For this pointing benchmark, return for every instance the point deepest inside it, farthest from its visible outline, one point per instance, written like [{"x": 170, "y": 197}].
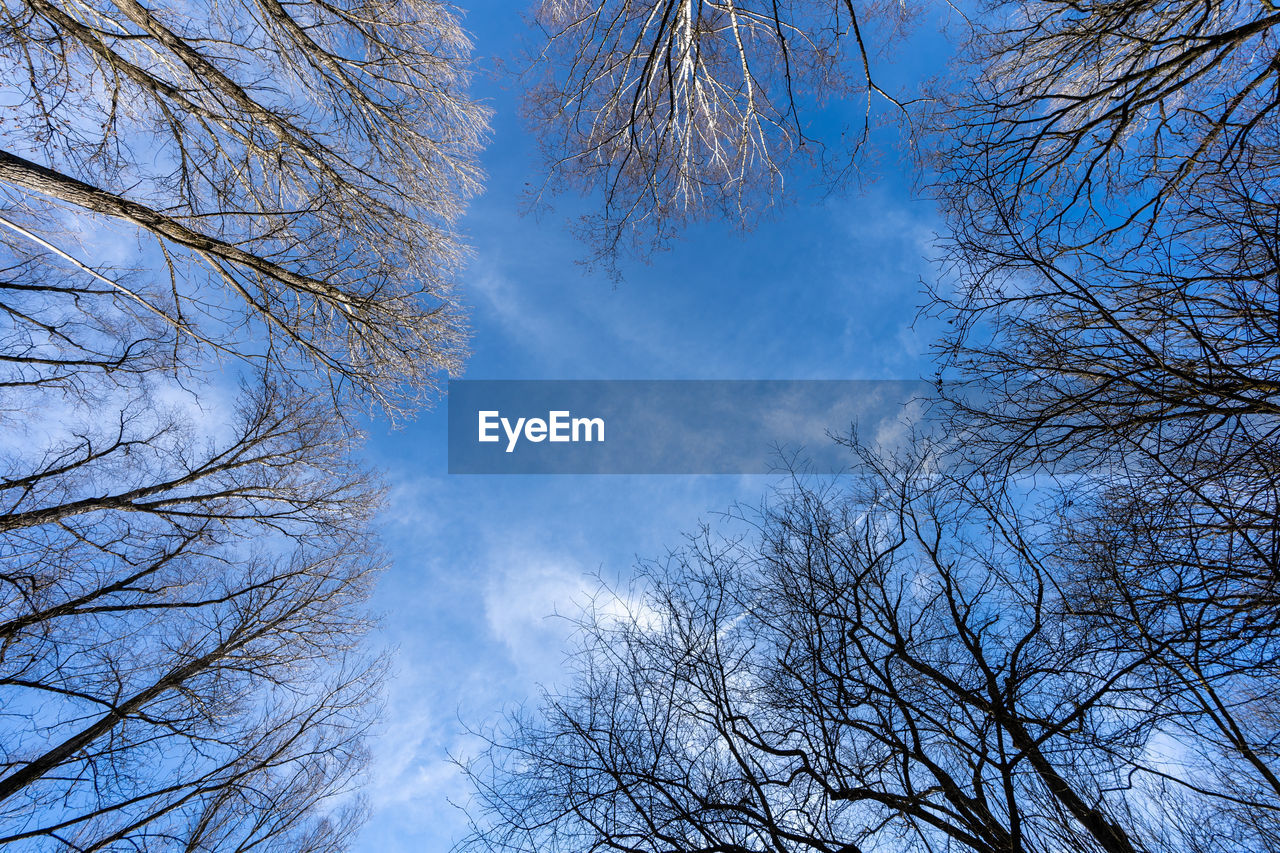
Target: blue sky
[{"x": 826, "y": 290}]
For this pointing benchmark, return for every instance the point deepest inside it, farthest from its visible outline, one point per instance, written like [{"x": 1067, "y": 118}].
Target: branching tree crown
[
  {"x": 1053, "y": 630},
  {"x": 294, "y": 166},
  {"x": 677, "y": 110},
  {"x": 893, "y": 666},
  {"x": 270, "y": 187}
]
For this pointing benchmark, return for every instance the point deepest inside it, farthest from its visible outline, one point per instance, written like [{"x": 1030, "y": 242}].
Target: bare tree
[
  {"x": 1056, "y": 631},
  {"x": 297, "y": 167},
  {"x": 1114, "y": 237},
  {"x": 1113, "y": 194},
  {"x": 894, "y": 666},
  {"x": 265, "y": 187},
  {"x": 674, "y": 110},
  {"x": 179, "y": 648},
  {"x": 1103, "y": 124}
]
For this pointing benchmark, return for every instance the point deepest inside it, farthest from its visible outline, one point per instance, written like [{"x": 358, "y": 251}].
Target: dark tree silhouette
[
  {"x": 895, "y": 665},
  {"x": 260, "y": 187},
  {"x": 1053, "y": 628}
]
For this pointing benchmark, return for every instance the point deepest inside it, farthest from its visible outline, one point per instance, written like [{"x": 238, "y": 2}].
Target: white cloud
[{"x": 528, "y": 607}]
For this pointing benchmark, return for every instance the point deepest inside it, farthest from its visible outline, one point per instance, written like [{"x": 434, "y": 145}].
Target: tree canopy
[
  {"x": 674, "y": 111},
  {"x": 1050, "y": 627},
  {"x": 914, "y": 661},
  {"x": 294, "y": 167},
  {"x": 222, "y": 228}
]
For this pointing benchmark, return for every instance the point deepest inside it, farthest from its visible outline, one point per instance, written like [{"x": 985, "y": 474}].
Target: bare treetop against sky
[
  {"x": 230, "y": 230},
  {"x": 306, "y": 160},
  {"x": 224, "y": 228},
  {"x": 1055, "y": 629},
  {"x": 675, "y": 111}
]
